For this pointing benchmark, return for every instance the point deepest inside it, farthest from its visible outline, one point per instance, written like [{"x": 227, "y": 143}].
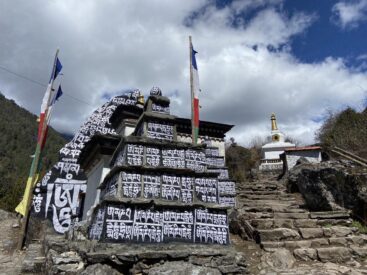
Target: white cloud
[
  {"x": 111, "y": 46},
  {"x": 348, "y": 14}
]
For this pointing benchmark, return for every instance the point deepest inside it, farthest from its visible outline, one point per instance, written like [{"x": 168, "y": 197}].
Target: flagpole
[
  {"x": 36, "y": 160},
  {"x": 192, "y": 95}
]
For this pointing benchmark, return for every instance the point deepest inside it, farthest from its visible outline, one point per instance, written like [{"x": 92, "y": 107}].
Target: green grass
[{"x": 361, "y": 228}]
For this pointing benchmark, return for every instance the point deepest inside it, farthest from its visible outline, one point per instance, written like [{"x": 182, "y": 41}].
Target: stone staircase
[{"x": 277, "y": 219}]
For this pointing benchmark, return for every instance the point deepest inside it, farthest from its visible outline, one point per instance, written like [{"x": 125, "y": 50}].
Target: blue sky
[
  {"x": 298, "y": 58},
  {"x": 325, "y": 37}
]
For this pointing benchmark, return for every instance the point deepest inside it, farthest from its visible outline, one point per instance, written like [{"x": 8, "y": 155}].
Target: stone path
[
  {"x": 278, "y": 220},
  {"x": 10, "y": 259}
]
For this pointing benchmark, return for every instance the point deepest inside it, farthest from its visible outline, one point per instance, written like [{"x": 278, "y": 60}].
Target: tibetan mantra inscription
[
  {"x": 160, "y": 130},
  {"x": 125, "y": 223}
]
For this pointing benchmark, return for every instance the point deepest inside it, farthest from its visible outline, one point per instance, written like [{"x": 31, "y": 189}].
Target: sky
[{"x": 299, "y": 59}]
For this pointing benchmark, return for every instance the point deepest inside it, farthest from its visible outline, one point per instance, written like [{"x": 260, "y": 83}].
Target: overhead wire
[{"x": 41, "y": 84}]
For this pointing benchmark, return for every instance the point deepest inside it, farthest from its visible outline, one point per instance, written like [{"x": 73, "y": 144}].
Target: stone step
[
  {"x": 241, "y": 193},
  {"x": 330, "y": 254},
  {"x": 273, "y": 208},
  {"x": 34, "y": 261},
  {"x": 329, "y": 222},
  {"x": 330, "y": 215},
  {"x": 282, "y": 197},
  {"x": 270, "y": 202},
  {"x": 277, "y": 234},
  {"x": 285, "y": 223},
  {"x": 290, "y": 215}
]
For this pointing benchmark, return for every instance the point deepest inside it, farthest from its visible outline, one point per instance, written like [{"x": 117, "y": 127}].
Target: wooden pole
[
  {"x": 35, "y": 162},
  {"x": 192, "y": 95}
]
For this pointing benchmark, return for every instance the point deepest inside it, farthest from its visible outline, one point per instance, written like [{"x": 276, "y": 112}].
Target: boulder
[
  {"x": 330, "y": 186},
  {"x": 334, "y": 254}
]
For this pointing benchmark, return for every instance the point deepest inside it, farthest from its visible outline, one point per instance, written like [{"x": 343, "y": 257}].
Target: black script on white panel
[
  {"x": 152, "y": 186},
  {"x": 178, "y": 225},
  {"x": 131, "y": 184},
  {"x": 206, "y": 189},
  {"x": 119, "y": 223},
  {"x": 171, "y": 187},
  {"x": 153, "y": 156},
  {"x": 195, "y": 160},
  {"x": 173, "y": 158},
  {"x": 135, "y": 154},
  {"x": 96, "y": 228},
  {"x": 187, "y": 189},
  {"x": 211, "y": 227},
  {"x": 160, "y": 130}
]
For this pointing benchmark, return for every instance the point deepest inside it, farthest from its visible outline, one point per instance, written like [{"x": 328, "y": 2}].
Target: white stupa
[{"x": 271, "y": 151}]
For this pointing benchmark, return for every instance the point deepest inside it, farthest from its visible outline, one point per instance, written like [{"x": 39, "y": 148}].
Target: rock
[
  {"x": 182, "y": 268},
  {"x": 311, "y": 233},
  {"x": 330, "y": 186},
  {"x": 297, "y": 244},
  {"x": 342, "y": 231},
  {"x": 100, "y": 269},
  {"x": 333, "y": 254},
  {"x": 278, "y": 234},
  {"x": 305, "y": 254},
  {"x": 281, "y": 258},
  {"x": 66, "y": 258}
]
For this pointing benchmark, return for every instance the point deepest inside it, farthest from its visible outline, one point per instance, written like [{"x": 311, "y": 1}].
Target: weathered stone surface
[
  {"x": 305, "y": 254},
  {"x": 319, "y": 242},
  {"x": 280, "y": 258},
  {"x": 182, "y": 268},
  {"x": 297, "y": 244},
  {"x": 359, "y": 251},
  {"x": 338, "y": 241},
  {"x": 272, "y": 244},
  {"x": 291, "y": 215},
  {"x": 333, "y": 254},
  {"x": 100, "y": 269},
  {"x": 342, "y": 231},
  {"x": 34, "y": 261},
  {"x": 330, "y": 215},
  {"x": 305, "y": 223},
  {"x": 278, "y": 234},
  {"x": 311, "y": 233},
  {"x": 66, "y": 258},
  {"x": 262, "y": 223},
  {"x": 330, "y": 186},
  {"x": 286, "y": 223}
]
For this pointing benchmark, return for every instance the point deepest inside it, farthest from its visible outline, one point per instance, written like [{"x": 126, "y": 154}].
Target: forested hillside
[
  {"x": 18, "y": 135},
  {"x": 347, "y": 130}
]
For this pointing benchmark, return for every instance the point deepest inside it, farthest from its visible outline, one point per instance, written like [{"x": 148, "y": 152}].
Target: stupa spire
[{"x": 274, "y": 126}]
